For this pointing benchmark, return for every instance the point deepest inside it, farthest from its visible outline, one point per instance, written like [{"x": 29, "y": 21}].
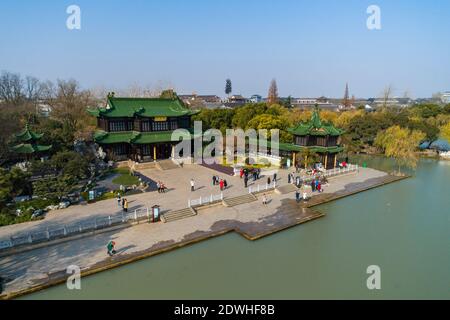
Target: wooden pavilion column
[
  {"x": 326, "y": 160},
  {"x": 335, "y": 159},
  {"x": 154, "y": 152},
  {"x": 306, "y": 161},
  {"x": 294, "y": 158}
]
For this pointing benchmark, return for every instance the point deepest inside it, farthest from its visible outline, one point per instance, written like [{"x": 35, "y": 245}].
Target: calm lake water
[{"x": 404, "y": 228}]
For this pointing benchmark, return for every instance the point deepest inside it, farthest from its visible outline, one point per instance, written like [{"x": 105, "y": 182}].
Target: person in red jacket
[{"x": 221, "y": 183}]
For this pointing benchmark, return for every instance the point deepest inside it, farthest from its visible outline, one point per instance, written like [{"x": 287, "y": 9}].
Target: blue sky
[{"x": 312, "y": 48}]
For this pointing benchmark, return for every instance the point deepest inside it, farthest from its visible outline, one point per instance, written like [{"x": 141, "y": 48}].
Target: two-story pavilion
[
  {"x": 140, "y": 128},
  {"x": 320, "y": 138},
  {"x": 315, "y": 136}
]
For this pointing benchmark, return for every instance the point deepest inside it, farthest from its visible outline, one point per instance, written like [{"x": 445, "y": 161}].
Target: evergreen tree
[{"x": 228, "y": 88}]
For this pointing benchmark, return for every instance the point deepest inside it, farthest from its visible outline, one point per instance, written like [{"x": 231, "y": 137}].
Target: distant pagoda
[{"x": 28, "y": 143}]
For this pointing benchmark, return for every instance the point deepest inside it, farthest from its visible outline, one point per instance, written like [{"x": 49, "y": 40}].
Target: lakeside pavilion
[
  {"x": 140, "y": 129},
  {"x": 313, "y": 136},
  {"x": 28, "y": 146},
  {"x": 317, "y": 137}
]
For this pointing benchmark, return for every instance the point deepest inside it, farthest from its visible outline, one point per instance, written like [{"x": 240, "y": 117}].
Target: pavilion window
[
  {"x": 115, "y": 126},
  {"x": 119, "y": 149},
  {"x": 146, "y": 126},
  {"x": 160, "y": 126},
  {"x": 322, "y": 141},
  {"x": 173, "y": 124},
  {"x": 147, "y": 149},
  {"x": 332, "y": 141},
  {"x": 301, "y": 140}
]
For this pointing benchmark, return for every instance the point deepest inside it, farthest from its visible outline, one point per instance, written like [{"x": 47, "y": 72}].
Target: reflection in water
[{"x": 402, "y": 227}]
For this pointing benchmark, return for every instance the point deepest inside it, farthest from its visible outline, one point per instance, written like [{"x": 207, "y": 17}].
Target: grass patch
[{"x": 125, "y": 178}]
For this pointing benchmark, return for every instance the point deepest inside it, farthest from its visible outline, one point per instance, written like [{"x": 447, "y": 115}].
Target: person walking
[
  {"x": 214, "y": 180},
  {"x": 163, "y": 187},
  {"x": 221, "y": 184},
  {"x": 289, "y": 178},
  {"x": 119, "y": 199},
  {"x": 305, "y": 196},
  {"x": 225, "y": 183},
  {"x": 158, "y": 185},
  {"x": 297, "y": 195},
  {"x": 110, "y": 247},
  {"x": 275, "y": 176},
  {"x": 245, "y": 181},
  {"x": 192, "y": 184},
  {"x": 264, "y": 199},
  {"x": 125, "y": 205},
  {"x": 319, "y": 187},
  {"x": 123, "y": 202},
  {"x": 241, "y": 173},
  {"x": 268, "y": 181}
]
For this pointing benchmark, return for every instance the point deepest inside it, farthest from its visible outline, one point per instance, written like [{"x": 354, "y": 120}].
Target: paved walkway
[
  {"x": 176, "y": 180},
  {"x": 45, "y": 265}
]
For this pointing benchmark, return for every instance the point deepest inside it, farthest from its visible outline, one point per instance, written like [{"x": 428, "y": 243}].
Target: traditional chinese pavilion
[
  {"x": 140, "y": 128},
  {"x": 318, "y": 137},
  {"x": 28, "y": 144}
]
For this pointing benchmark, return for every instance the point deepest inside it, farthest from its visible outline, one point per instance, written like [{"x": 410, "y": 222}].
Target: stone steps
[
  {"x": 166, "y": 165},
  {"x": 235, "y": 201},
  {"x": 178, "y": 214}
]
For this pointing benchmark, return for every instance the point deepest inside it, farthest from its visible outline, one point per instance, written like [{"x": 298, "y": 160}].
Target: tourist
[
  {"x": 225, "y": 183},
  {"x": 163, "y": 188},
  {"x": 123, "y": 202},
  {"x": 245, "y": 181},
  {"x": 258, "y": 173},
  {"x": 192, "y": 184},
  {"x": 214, "y": 180},
  {"x": 319, "y": 187},
  {"x": 268, "y": 181},
  {"x": 297, "y": 195},
  {"x": 119, "y": 199},
  {"x": 158, "y": 185},
  {"x": 313, "y": 186},
  {"x": 264, "y": 199},
  {"x": 275, "y": 176},
  {"x": 110, "y": 246},
  {"x": 298, "y": 182},
  {"x": 241, "y": 173},
  {"x": 305, "y": 196},
  {"x": 125, "y": 205},
  {"x": 221, "y": 184},
  {"x": 289, "y": 178}
]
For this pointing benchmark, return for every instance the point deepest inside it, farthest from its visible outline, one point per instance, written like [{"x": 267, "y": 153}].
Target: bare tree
[
  {"x": 387, "y": 92},
  {"x": 11, "y": 88}
]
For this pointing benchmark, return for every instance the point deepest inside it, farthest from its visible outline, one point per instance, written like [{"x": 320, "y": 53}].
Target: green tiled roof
[
  {"x": 27, "y": 135},
  {"x": 315, "y": 127},
  {"x": 134, "y": 137},
  {"x": 26, "y": 148},
  {"x": 145, "y": 107}
]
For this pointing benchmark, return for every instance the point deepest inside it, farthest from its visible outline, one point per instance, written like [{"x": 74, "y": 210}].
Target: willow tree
[
  {"x": 445, "y": 131},
  {"x": 400, "y": 143}
]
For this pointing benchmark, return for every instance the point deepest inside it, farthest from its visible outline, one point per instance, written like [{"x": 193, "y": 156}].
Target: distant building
[
  {"x": 308, "y": 103},
  {"x": 445, "y": 97},
  {"x": 236, "y": 101},
  {"x": 199, "y": 101},
  {"x": 256, "y": 98}
]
